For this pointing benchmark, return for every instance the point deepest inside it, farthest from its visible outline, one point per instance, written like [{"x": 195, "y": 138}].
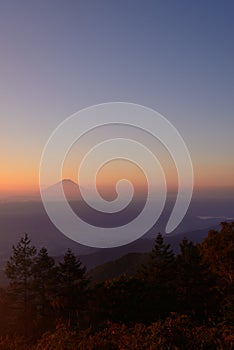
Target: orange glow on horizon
[{"x": 23, "y": 177}]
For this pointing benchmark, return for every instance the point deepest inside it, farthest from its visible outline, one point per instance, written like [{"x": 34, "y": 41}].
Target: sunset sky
[{"x": 58, "y": 57}]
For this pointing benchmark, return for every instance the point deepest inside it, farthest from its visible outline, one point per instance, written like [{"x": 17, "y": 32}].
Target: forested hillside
[{"x": 163, "y": 301}]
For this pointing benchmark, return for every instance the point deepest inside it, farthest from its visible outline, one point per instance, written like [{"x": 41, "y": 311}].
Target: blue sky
[{"x": 60, "y": 56}]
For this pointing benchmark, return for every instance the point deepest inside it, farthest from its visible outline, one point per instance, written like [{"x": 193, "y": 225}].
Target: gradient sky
[{"x": 57, "y": 57}]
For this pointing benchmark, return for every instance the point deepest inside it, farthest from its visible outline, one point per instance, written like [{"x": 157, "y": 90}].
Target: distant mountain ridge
[
  {"x": 29, "y": 215},
  {"x": 127, "y": 265}
]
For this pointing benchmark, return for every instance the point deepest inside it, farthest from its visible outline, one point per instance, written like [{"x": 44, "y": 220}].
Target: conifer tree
[
  {"x": 160, "y": 262},
  {"x": 19, "y": 271},
  {"x": 194, "y": 282},
  {"x": 72, "y": 284},
  {"x": 44, "y": 286},
  {"x": 159, "y": 275}
]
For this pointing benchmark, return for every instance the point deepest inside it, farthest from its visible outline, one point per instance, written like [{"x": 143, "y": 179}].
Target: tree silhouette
[
  {"x": 160, "y": 261},
  {"x": 195, "y": 283},
  {"x": 159, "y": 275},
  {"x": 19, "y": 271},
  {"x": 72, "y": 284},
  {"x": 44, "y": 286}
]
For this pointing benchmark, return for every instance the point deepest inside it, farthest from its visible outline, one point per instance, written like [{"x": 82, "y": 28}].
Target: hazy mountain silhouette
[{"x": 70, "y": 189}]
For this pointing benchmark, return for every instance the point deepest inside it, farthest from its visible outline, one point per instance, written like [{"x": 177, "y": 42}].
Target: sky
[{"x": 58, "y": 57}]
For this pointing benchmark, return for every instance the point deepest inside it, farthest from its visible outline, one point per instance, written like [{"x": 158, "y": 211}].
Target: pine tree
[
  {"x": 72, "y": 284},
  {"x": 160, "y": 262},
  {"x": 194, "y": 282},
  {"x": 44, "y": 286},
  {"x": 19, "y": 271},
  {"x": 159, "y": 275}
]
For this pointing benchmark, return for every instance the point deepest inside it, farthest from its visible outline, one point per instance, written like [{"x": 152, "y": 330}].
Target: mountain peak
[
  {"x": 70, "y": 188},
  {"x": 69, "y": 181}
]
